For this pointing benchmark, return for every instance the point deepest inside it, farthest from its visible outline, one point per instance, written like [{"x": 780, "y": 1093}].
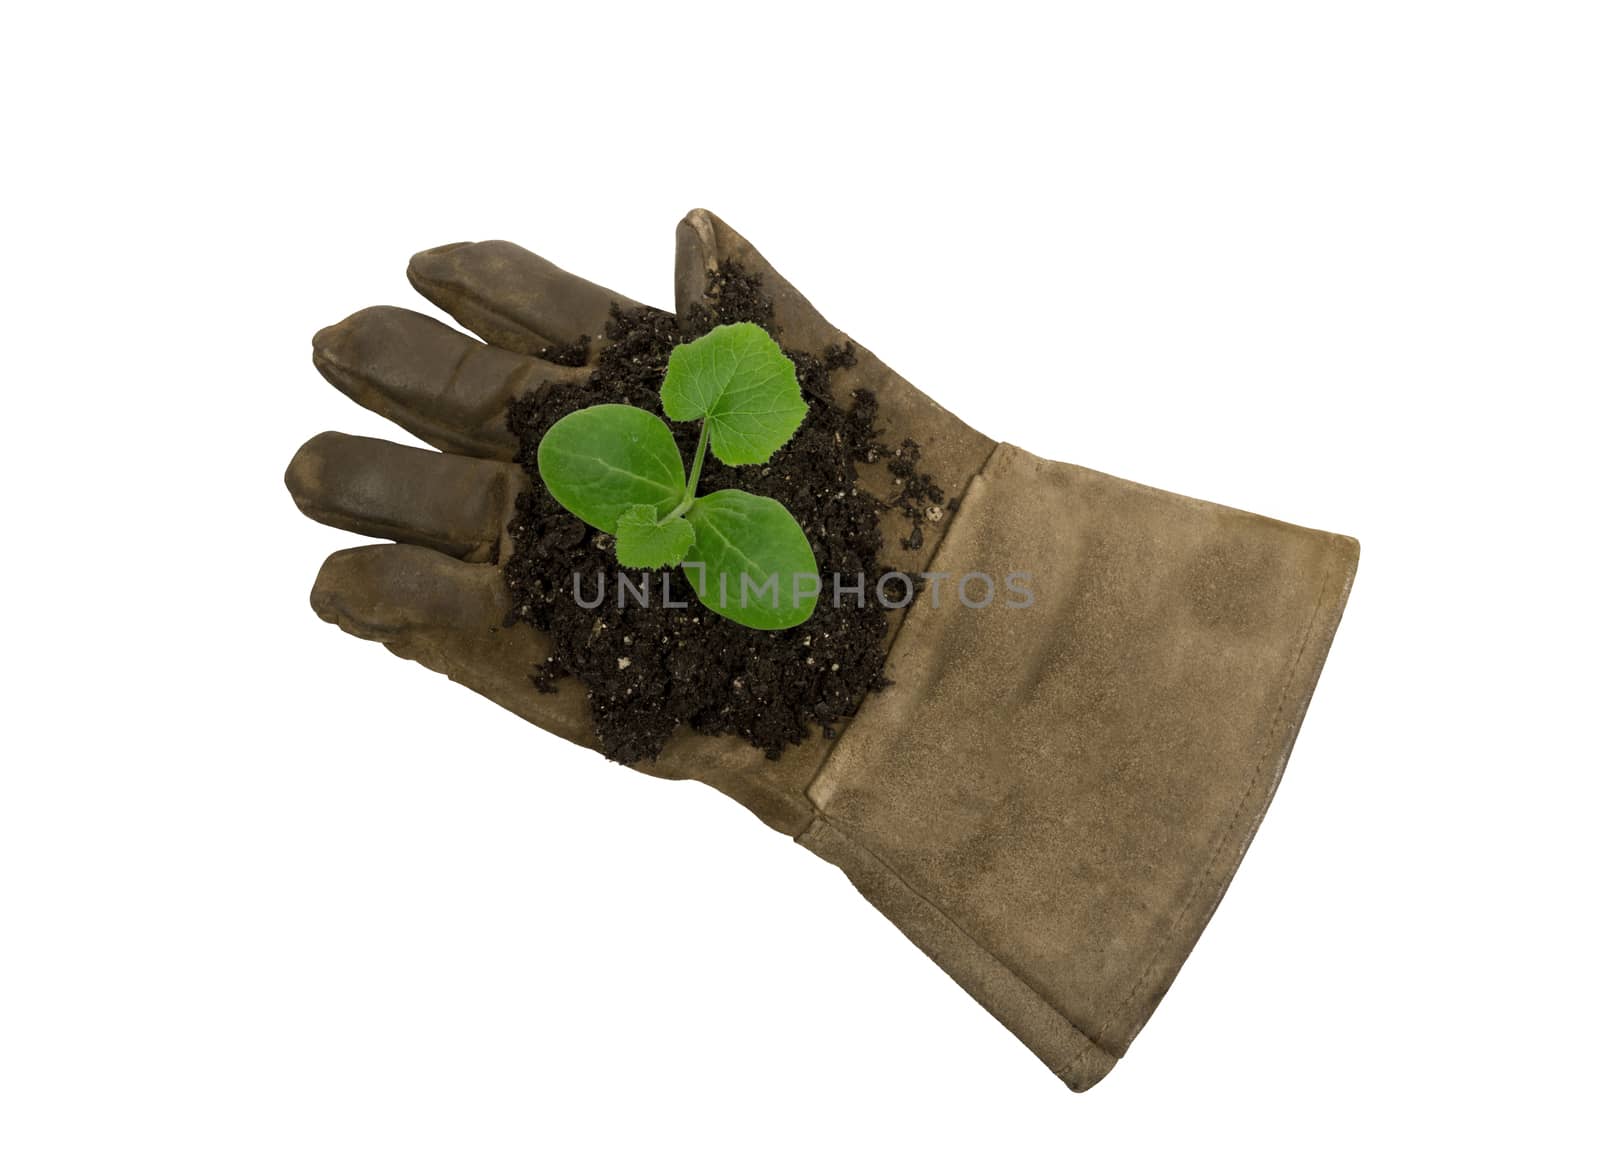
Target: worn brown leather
[{"x": 1050, "y": 801}]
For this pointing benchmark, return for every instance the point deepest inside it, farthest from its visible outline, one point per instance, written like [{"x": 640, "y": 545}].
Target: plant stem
[{"x": 694, "y": 474}]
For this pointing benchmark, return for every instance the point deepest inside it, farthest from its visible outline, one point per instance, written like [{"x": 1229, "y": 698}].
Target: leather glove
[{"x": 1050, "y": 801}]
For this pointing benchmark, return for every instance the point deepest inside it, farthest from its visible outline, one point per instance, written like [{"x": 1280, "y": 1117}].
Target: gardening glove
[{"x": 1049, "y": 801}]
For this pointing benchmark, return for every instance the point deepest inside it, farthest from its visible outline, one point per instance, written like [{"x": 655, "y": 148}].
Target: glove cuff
[
  {"x": 1054, "y": 1039},
  {"x": 1052, "y": 799}
]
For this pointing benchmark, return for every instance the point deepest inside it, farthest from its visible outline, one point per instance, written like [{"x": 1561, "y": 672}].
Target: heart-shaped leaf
[
  {"x": 751, "y": 561},
  {"x": 602, "y": 460},
  {"x": 740, "y": 382},
  {"x": 643, "y": 542}
]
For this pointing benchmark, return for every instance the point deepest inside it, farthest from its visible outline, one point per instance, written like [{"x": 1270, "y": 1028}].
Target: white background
[{"x": 270, "y": 897}]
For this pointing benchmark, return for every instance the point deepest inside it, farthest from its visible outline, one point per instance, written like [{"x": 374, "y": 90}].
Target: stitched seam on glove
[{"x": 888, "y": 650}]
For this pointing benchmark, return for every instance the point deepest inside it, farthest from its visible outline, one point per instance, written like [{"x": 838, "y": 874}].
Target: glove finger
[
  {"x": 448, "y": 615},
  {"x": 446, "y": 388},
  {"x": 386, "y": 591},
  {"x": 453, "y": 503},
  {"x": 952, "y": 452},
  {"x": 705, "y": 243},
  {"x": 512, "y": 298}
]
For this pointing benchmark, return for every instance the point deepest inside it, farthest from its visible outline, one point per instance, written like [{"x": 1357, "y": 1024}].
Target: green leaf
[
  {"x": 740, "y": 382},
  {"x": 750, "y": 561},
  {"x": 643, "y": 542},
  {"x": 602, "y": 460}
]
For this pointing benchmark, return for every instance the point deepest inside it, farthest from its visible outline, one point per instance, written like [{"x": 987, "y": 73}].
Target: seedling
[{"x": 617, "y": 468}]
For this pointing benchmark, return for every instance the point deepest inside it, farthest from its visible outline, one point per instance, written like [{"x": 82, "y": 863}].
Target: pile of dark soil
[{"x": 649, "y": 669}]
